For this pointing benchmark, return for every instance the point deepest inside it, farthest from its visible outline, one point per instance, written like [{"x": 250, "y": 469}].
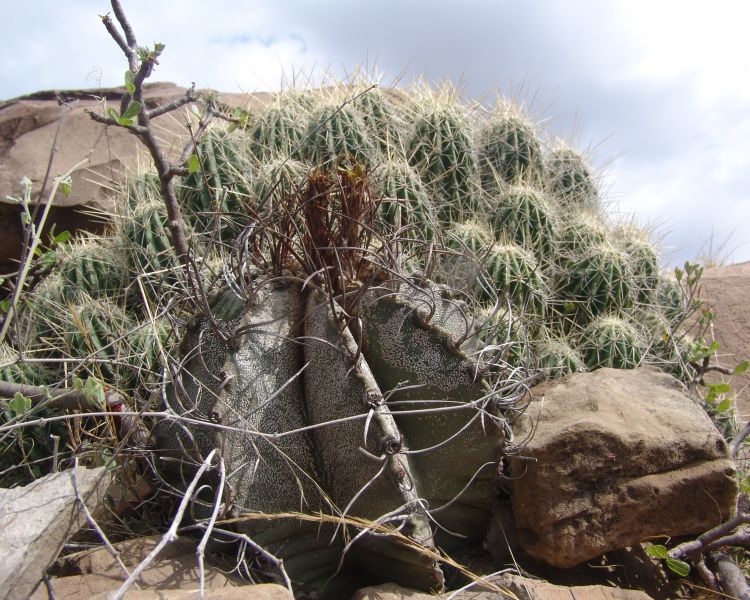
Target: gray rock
[
  {"x": 37, "y": 519},
  {"x": 616, "y": 457}
]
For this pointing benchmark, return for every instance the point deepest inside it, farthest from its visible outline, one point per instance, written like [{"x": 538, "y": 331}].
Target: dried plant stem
[{"x": 171, "y": 534}]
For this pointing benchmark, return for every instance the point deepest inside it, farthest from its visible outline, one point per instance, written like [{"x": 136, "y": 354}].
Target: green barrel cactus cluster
[{"x": 384, "y": 274}]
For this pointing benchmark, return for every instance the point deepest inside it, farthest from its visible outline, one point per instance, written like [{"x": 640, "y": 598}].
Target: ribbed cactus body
[
  {"x": 405, "y": 209},
  {"x": 275, "y": 181},
  {"x": 598, "y": 281},
  {"x": 379, "y": 400},
  {"x": 147, "y": 241},
  {"x": 611, "y": 342},
  {"x": 91, "y": 265},
  {"x": 570, "y": 180},
  {"x": 508, "y": 149},
  {"x": 522, "y": 215},
  {"x": 440, "y": 150},
  {"x": 338, "y": 135},
  {"x": 517, "y": 277},
  {"x": 278, "y": 131},
  {"x": 644, "y": 264},
  {"x": 555, "y": 358},
  {"x": 219, "y": 189},
  {"x": 98, "y": 330},
  {"x": 579, "y": 233},
  {"x": 381, "y": 121}
]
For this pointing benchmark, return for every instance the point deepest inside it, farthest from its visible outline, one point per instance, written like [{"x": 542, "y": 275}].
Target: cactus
[
  {"x": 13, "y": 370},
  {"x": 509, "y": 150},
  {"x": 276, "y": 180},
  {"x": 148, "y": 249},
  {"x": 412, "y": 354},
  {"x": 579, "y": 233},
  {"x": 598, "y": 281},
  {"x": 611, "y": 342},
  {"x": 517, "y": 276},
  {"x": 337, "y": 134},
  {"x": 380, "y": 119},
  {"x": 220, "y": 187},
  {"x": 521, "y": 214},
  {"x": 335, "y": 377},
  {"x": 404, "y": 206},
  {"x": 441, "y": 152},
  {"x": 555, "y": 358},
  {"x": 570, "y": 180},
  {"x": 92, "y": 265},
  {"x": 97, "y": 330},
  {"x": 278, "y": 131},
  {"x": 644, "y": 263}
]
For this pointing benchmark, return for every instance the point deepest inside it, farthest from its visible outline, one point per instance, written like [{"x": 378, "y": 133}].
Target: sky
[{"x": 655, "y": 92}]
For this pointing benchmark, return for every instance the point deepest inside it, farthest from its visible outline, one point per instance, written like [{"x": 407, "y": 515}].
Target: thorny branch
[{"x": 141, "y": 63}]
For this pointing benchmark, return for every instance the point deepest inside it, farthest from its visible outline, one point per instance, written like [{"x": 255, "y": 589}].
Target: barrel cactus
[
  {"x": 440, "y": 150},
  {"x": 612, "y": 342},
  {"x": 509, "y": 149},
  {"x": 570, "y": 179}
]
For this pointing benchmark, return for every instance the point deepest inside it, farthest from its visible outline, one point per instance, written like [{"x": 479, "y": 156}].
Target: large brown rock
[
  {"x": 616, "y": 457},
  {"x": 31, "y": 126}
]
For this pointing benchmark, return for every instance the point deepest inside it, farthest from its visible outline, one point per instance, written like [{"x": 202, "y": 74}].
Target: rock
[
  {"x": 390, "y": 591},
  {"x": 616, "y": 457},
  {"x": 29, "y": 130},
  {"x": 176, "y": 568},
  {"x": 531, "y": 589},
  {"x": 263, "y": 591},
  {"x": 37, "y": 519},
  {"x": 518, "y": 588}
]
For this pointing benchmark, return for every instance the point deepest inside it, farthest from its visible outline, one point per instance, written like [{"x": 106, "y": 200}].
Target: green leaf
[
  {"x": 158, "y": 48},
  {"x": 657, "y": 551},
  {"x": 113, "y": 113},
  {"x": 61, "y": 237},
  {"x": 724, "y": 405},
  {"x": 193, "y": 164},
  {"x": 129, "y": 82},
  {"x": 94, "y": 390},
  {"x": 713, "y": 347},
  {"x": 5, "y": 305},
  {"x": 678, "y": 566},
  {"x": 132, "y": 111},
  {"x": 741, "y": 368},
  {"x": 67, "y": 187},
  {"x": 19, "y": 404},
  {"x": 720, "y": 388}
]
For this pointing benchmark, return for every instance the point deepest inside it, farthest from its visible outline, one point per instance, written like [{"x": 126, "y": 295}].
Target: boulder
[
  {"x": 615, "y": 457},
  {"x": 36, "y": 520}
]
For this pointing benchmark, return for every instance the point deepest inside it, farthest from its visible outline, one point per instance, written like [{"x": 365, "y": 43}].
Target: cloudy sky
[{"x": 658, "y": 92}]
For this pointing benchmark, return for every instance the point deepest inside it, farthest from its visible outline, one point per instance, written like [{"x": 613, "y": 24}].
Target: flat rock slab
[
  {"x": 617, "y": 456},
  {"x": 518, "y": 588},
  {"x": 36, "y": 520},
  {"x": 263, "y": 591},
  {"x": 175, "y": 569}
]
